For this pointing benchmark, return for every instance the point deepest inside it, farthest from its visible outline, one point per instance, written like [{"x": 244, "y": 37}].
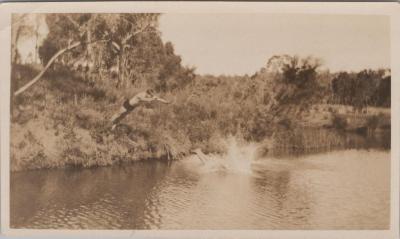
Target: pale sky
[{"x": 242, "y": 43}]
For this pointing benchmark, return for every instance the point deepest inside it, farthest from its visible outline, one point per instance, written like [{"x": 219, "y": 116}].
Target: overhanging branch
[
  {"x": 129, "y": 36},
  {"x": 34, "y": 80},
  {"x": 52, "y": 59}
]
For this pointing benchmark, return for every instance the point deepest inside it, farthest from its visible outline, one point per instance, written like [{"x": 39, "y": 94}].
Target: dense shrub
[
  {"x": 373, "y": 122},
  {"x": 339, "y": 122}
]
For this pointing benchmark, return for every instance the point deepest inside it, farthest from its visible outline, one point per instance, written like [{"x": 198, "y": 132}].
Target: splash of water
[
  {"x": 240, "y": 155},
  {"x": 238, "y": 158}
]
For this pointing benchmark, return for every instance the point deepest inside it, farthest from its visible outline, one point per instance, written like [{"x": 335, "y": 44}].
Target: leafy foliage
[
  {"x": 365, "y": 88},
  {"x": 122, "y": 54}
]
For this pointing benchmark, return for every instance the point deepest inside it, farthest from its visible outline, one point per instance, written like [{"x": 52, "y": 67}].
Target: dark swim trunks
[{"x": 128, "y": 106}]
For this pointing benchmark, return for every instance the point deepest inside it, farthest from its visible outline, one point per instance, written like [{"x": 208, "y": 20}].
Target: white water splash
[{"x": 238, "y": 158}]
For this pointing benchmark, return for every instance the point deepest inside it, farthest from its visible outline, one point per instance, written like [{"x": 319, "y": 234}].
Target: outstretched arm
[
  {"x": 161, "y": 100},
  {"x": 129, "y": 105}
]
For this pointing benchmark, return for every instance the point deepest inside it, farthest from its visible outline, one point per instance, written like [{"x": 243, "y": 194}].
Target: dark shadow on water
[
  {"x": 37, "y": 193},
  {"x": 311, "y": 141}
]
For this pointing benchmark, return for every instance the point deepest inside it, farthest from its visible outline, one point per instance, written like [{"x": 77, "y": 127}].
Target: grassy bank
[
  {"x": 64, "y": 122},
  {"x": 347, "y": 118}
]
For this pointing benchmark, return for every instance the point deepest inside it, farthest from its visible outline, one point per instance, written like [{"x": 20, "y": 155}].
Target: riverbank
[
  {"x": 37, "y": 144},
  {"x": 40, "y": 143},
  {"x": 347, "y": 118},
  {"x": 64, "y": 121}
]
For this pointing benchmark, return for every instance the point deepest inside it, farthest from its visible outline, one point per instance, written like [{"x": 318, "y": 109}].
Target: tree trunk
[
  {"x": 14, "y": 46},
  {"x": 120, "y": 73},
  {"x": 15, "y": 34},
  {"x": 89, "y": 58},
  {"x": 36, "y": 58}
]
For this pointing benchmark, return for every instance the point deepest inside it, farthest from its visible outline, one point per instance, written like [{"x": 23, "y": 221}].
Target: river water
[{"x": 341, "y": 189}]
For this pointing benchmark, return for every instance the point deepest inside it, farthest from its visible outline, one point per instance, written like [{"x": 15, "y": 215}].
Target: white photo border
[{"x": 390, "y": 9}]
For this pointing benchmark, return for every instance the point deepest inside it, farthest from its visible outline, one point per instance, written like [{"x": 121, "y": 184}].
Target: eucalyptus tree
[
  {"x": 76, "y": 34},
  {"x": 20, "y": 28},
  {"x": 289, "y": 85}
]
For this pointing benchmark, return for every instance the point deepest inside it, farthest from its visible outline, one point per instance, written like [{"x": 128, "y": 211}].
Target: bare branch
[
  {"x": 34, "y": 80},
  {"x": 129, "y": 36},
  {"x": 73, "y": 22},
  {"x": 59, "y": 53},
  {"x": 116, "y": 45}
]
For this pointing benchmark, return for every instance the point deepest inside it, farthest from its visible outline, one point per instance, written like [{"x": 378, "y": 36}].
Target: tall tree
[
  {"x": 290, "y": 84},
  {"x": 75, "y": 33}
]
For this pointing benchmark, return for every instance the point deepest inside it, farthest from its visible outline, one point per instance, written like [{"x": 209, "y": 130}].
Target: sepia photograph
[{"x": 167, "y": 120}]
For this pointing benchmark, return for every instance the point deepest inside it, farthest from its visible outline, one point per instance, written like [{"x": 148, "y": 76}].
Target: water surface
[{"x": 344, "y": 189}]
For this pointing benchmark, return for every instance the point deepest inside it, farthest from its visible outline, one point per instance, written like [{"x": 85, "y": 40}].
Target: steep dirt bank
[{"x": 64, "y": 122}]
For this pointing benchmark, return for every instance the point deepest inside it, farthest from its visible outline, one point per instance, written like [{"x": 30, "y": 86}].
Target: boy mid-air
[{"x": 130, "y": 104}]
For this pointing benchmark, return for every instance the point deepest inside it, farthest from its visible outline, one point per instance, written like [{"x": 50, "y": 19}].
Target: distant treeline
[{"x": 365, "y": 88}]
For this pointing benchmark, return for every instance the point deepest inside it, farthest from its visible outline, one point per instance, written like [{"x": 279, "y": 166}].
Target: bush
[
  {"x": 339, "y": 122},
  {"x": 372, "y": 122}
]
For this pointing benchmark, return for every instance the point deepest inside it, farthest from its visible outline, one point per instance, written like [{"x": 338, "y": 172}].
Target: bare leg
[
  {"x": 200, "y": 155},
  {"x": 201, "y": 159},
  {"x": 117, "y": 117}
]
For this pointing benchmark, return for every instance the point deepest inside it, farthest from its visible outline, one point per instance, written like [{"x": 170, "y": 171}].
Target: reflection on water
[
  {"x": 346, "y": 189},
  {"x": 299, "y": 142}
]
